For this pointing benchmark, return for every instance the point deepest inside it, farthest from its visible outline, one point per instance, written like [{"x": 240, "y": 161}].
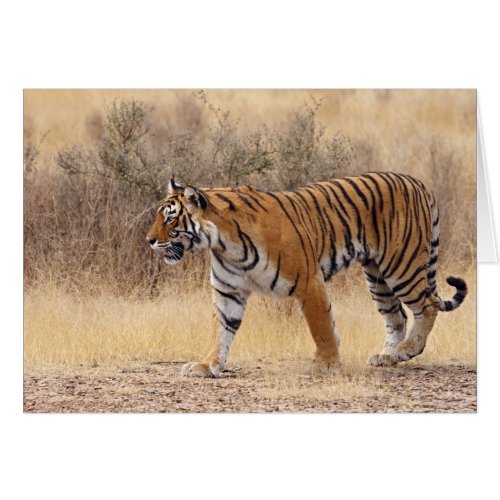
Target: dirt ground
[{"x": 157, "y": 388}]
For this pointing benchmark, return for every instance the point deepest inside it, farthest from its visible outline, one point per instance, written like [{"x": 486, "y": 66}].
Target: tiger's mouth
[{"x": 173, "y": 253}]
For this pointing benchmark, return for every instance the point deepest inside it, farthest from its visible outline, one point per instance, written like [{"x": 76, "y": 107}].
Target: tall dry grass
[
  {"x": 89, "y": 276},
  {"x": 71, "y": 328}
]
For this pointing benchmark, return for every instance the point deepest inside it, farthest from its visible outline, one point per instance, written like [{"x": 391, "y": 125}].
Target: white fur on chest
[{"x": 263, "y": 278}]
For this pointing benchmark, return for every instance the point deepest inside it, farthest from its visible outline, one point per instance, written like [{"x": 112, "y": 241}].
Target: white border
[{"x": 257, "y": 44}]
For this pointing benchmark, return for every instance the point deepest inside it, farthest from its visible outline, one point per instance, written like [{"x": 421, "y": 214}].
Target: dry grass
[
  {"x": 291, "y": 383},
  {"x": 69, "y": 329}
]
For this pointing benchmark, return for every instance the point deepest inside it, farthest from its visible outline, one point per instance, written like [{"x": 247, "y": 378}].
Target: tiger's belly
[{"x": 269, "y": 281}]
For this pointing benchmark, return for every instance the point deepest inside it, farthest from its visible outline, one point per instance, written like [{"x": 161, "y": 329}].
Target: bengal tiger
[{"x": 290, "y": 243}]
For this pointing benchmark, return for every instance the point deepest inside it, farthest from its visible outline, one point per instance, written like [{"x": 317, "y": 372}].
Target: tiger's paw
[
  {"x": 382, "y": 360},
  {"x": 199, "y": 370},
  {"x": 324, "y": 368}
]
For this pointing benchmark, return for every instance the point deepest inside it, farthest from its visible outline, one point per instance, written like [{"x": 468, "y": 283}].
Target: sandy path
[{"x": 157, "y": 387}]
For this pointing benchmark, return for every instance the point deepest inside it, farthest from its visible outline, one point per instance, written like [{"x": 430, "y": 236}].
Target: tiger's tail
[
  {"x": 458, "y": 283},
  {"x": 458, "y": 298}
]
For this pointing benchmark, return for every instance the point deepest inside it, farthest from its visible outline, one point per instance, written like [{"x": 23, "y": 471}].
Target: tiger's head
[{"x": 180, "y": 225}]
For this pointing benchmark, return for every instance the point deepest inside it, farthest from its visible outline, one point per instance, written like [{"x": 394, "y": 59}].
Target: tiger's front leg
[{"x": 229, "y": 306}]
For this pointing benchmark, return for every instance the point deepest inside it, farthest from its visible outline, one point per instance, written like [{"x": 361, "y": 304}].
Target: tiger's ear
[
  {"x": 195, "y": 198},
  {"x": 174, "y": 187}
]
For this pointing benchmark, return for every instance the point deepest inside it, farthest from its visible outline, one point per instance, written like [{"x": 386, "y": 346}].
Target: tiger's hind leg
[
  {"x": 416, "y": 293},
  {"x": 317, "y": 310},
  {"x": 425, "y": 313},
  {"x": 391, "y": 309}
]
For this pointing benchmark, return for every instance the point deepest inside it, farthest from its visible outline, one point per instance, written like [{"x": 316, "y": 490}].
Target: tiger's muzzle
[{"x": 172, "y": 251}]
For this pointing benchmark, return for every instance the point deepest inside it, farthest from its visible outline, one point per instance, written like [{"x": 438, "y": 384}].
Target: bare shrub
[
  {"x": 123, "y": 152},
  {"x": 281, "y": 159},
  {"x": 303, "y": 154},
  {"x": 185, "y": 157},
  {"x": 230, "y": 158},
  {"x": 31, "y": 154}
]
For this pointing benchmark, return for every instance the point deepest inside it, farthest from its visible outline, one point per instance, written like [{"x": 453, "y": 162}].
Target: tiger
[{"x": 290, "y": 243}]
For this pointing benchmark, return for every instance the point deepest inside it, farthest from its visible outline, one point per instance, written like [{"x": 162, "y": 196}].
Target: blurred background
[{"x": 97, "y": 163}]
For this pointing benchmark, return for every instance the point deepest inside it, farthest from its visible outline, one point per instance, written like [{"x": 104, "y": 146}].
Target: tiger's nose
[{"x": 151, "y": 241}]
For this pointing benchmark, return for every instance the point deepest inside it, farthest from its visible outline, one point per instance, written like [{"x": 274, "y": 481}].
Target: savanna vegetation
[{"x": 96, "y": 164}]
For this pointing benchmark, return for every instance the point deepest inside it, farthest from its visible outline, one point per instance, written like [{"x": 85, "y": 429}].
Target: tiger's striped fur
[{"x": 288, "y": 244}]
